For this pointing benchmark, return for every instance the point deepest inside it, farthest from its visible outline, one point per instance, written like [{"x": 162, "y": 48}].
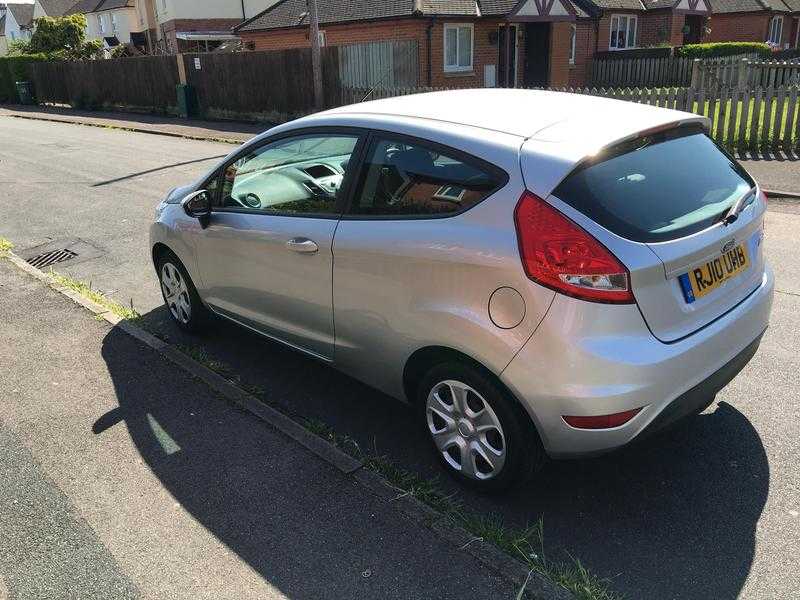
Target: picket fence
[{"x": 741, "y": 119}]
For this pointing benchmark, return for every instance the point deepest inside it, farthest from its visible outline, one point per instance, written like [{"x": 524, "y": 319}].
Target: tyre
[
  {"x": 180, "y": 295},
  {"x": 482, "y": 437}
]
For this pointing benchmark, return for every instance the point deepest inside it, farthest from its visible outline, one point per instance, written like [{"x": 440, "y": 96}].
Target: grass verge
[
  {"x": 5, "y": 247},
  {"x": 85, "y": 290}
]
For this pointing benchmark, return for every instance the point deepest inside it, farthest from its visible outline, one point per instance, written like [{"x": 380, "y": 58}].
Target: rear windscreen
[{"x": 657, "y": 188}]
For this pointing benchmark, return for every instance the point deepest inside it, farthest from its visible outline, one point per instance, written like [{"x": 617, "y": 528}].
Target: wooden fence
[
  {"x": 379, "y": 64},
  {"x": 146, "y": 83},
  {"x": 746, "y": 71},
  {"x": 271, "y": 85}
]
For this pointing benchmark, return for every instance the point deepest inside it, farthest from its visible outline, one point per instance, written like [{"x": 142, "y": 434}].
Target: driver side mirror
[{"x": 198, "y": 206}]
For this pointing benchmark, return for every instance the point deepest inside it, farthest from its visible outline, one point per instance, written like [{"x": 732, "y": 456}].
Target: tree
[{"x": 60, "y": 38}]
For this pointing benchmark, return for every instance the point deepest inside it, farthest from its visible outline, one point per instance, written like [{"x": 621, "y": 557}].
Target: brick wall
[
  {"x": 584, "y": 51},
  {"x": 559, "y": 54},
  {"x": 484, "y": 52},
  {"x": 660, "y": 27},
  {"x": 740, "y": 27}
]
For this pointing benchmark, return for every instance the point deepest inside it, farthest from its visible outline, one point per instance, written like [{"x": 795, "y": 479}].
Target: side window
[
  {"x": 410, "y": 179},
  {"x": 301, "y": 175}
]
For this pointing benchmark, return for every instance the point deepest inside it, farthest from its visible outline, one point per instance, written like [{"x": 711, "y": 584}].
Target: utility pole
[{"x": 316, "y": 55}]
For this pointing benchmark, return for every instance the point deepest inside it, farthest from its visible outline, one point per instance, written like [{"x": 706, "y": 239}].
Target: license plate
[{"x": 704, "y": 279}]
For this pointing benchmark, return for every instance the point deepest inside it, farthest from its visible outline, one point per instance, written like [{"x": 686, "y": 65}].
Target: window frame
[
  {"x": 377, "y": 135},
  {"x": 628, "y": 18},
  {"x": 345, "y": 192},
  {"x": 113, "y": 19},
  {"x": 777, "y": 19},
  {"x": 457, "y": 68},
  {"x": 101, "y": 24},
  {"x": 573, "y": 39}
]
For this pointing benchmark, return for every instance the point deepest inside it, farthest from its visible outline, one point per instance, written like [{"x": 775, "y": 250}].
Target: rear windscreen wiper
[{"x": 732, "y": 213}]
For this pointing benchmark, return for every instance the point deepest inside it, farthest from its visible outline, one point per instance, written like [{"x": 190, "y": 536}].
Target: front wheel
[
  {"x": 180, "y": 295},
  {"x": 482, "y": 437}
]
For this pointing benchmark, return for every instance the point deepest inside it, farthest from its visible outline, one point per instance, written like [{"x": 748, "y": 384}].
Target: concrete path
[{"x": 122, "y": 477}]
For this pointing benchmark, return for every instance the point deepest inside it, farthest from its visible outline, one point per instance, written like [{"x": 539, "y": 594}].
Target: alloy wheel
[
  {"x": 465, "y": 430},
  {"x": 176, "y": 294}
]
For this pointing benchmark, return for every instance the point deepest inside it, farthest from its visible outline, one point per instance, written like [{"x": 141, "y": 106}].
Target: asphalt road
[{"x": 709, "y": 510}]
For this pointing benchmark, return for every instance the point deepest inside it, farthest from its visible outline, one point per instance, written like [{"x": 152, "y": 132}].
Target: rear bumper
[{"x": 592, "y": 359}]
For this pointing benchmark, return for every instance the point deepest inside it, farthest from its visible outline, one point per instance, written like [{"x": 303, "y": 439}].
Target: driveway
[{"x": 709, "y": 510}]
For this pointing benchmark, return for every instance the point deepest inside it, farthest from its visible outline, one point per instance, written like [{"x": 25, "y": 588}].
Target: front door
[
  {"x": 693, "y": 29},
  {"x": 537, "y": 54},
  {"x": 507, "y": 54},
  {"x": 265, "y": 258}
]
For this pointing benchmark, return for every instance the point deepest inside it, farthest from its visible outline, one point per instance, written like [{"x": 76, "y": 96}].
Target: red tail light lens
[
  {"x": 559, "y": 254},
  {"x": 602, "y": 421}
]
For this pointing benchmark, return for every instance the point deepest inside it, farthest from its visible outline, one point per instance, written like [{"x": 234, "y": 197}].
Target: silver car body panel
[{"x": 380, "y": 290}]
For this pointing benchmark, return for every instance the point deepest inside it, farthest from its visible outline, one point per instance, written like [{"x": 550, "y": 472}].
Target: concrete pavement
[
  {"x": 708, "y": 511},
  {"x": 122, "y": 477}
]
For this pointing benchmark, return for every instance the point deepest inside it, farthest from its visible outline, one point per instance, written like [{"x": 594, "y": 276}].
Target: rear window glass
[{"x": 657, "y": 188}]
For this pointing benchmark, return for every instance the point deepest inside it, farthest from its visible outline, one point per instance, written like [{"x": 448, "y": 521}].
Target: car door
[{"x": 265, "y": 257}]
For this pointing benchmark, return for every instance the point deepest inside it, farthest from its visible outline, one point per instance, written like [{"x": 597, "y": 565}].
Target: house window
[
  {"x": 13, "y": 36},
  {"x": 623, "y": 32},
  {"x": 458, "y": 47},
  {"x": 775, "y": 30},
  {"x": 573, "y": 34},
  {"x": 113, "y": 22},
  {"x": 101, "y": 27}
]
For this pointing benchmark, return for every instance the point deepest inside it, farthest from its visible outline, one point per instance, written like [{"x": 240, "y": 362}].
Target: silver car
[{"x": 538, "y": 274}]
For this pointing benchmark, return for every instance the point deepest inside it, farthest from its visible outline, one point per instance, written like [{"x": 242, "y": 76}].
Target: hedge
[
  {"x": 13, "y": 69},
  {"x": 716, "y": 49}
]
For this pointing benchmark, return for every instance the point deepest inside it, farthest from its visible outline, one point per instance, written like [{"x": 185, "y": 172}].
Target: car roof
[{"x": 524, "y": 113}]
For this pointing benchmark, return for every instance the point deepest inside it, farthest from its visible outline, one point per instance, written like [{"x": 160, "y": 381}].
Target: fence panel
[
  {"x": 146, "y": 82},
  {"x": 380, "y": 64}
]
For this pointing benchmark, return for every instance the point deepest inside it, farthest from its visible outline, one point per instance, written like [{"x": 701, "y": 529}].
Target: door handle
[{"x": 302, "y": 245}]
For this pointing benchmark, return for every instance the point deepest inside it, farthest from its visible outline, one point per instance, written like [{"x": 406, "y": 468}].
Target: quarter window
[
  {"x": 298, "y": 175},
  {"x": 458, "y": 47},
  {"x": 775, "y": 30},
  {"x": 402, "y": 179},
  {"x": 623, "y": 32}
]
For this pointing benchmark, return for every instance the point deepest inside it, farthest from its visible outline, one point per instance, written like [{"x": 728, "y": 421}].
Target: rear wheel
[
  {"x": 481, "y": 436},
  {"x": 180, "y": 295}
]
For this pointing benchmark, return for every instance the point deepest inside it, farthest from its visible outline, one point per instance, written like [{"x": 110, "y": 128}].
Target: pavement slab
[{"x": 123, "y": 477}]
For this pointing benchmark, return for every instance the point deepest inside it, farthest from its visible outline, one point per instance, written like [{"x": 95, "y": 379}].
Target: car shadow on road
[{"x": 672, "y": 517}]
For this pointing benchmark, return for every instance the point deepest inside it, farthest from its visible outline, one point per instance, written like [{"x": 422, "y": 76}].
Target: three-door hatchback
[{"x": 536, "y": 273}]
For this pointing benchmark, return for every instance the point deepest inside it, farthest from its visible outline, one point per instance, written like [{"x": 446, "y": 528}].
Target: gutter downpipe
[{"x": 430, "y": 50}]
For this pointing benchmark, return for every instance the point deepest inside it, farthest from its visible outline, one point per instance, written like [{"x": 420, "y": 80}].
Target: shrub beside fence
[{"x": 13, "y": 69}]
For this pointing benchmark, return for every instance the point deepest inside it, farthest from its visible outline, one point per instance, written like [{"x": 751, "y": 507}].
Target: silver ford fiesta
[{"x": 538, "y": 274}]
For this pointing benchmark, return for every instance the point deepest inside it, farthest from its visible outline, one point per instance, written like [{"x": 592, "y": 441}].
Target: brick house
[
  {"x": 774, "y": 21},
  {"x": 463, "y": 43}
]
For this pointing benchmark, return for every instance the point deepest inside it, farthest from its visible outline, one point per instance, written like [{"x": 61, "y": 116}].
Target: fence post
[
  {"x": 695, "y": 84},
  {"x": 743, "y": 74},
  {"x": 181, "y": 69}
]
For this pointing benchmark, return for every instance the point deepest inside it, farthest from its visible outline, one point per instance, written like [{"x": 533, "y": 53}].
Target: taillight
[{"x": 559, "y": 254}]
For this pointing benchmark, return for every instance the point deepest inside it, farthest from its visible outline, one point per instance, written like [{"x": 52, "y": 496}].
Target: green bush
[
  {"x": 717, "y": 49},
  {"x": 13, "y": 69}
]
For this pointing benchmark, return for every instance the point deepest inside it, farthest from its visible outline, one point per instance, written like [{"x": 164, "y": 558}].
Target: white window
[
  {"x": 101, "y": 26},
  {"x": 775, "y": 30},
  {"x": 113, "y": 22},
  {"x": 623, "y": 32},
  {"x": 573, "y": 34},
  {"x": 458, "y": 47},
  {"x": 13, "y": 36}
]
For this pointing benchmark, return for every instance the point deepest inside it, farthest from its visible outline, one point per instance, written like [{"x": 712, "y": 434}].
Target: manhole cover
[{"x": 50, "y": 258}]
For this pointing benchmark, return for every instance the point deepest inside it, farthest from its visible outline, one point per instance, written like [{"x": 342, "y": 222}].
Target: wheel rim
[
  {"x": 176, "y": 294},
  {"x": 466, "y": 430}
]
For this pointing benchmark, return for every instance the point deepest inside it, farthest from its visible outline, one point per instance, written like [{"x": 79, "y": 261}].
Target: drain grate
[{"x": 43, "y": 261}]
